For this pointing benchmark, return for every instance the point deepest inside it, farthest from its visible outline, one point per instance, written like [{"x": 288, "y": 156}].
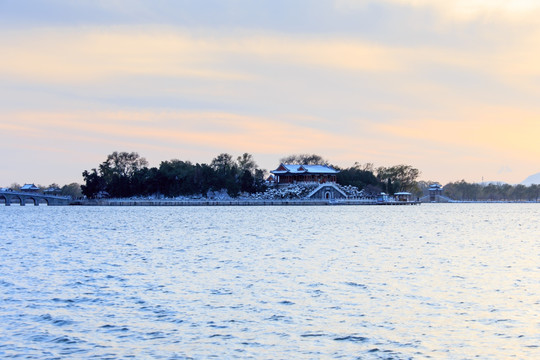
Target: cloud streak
[
  {"x": 461, "y": 10},
  {"x": 57, "y": 55},
  {"x": 95, "y": 55}
]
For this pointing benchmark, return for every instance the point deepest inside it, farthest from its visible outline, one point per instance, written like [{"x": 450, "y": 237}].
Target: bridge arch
[
  {"x": 34, "y": 200},
  {"x": 14, "y": 199},
  {"x": 31, "y": 200},
  {"x": 17, "y": 200}
]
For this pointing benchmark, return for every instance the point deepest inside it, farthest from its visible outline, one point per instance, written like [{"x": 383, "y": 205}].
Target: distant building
[
  {"x": 323, "y": 178},
  {"x": 52, "y": 191},
  {"x": 382, "y": 197},
  {"x": 435, "y": 195},
  {"x": 294, "y": 174},
  {"x": 403, "y": 196},
  {"x": 29, "y": 188},
  {"x": 434, "y": 190}
]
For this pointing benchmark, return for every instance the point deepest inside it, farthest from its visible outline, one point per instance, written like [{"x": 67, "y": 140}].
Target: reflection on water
[{"x": 454, "y": 281}]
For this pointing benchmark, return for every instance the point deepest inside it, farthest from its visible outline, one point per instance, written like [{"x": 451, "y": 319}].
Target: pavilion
[
  {"x": 29, "y": 188},
  {"x": 314, "y": 174}
]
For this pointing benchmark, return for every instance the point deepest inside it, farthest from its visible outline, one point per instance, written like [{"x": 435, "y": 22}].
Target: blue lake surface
[{"x": 439, "y": 281}]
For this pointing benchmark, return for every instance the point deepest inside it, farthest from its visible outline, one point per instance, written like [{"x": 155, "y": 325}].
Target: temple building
[
  {"x": 29, "y": 188},
  {"x": 322, "y": 177},
  {"x": 314, "y": 174}
]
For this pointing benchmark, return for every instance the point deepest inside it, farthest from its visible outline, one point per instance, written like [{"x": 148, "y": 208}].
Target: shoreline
[{"x": 127, "y": 202}]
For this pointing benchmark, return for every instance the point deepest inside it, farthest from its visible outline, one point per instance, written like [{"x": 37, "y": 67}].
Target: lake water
[{"x": 440, "y": 281}]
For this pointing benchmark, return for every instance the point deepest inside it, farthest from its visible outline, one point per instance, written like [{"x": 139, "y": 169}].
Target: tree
[
  {"x": 223, "y": 163},
  {"x": 117, "y": 171},
  {"x": 147, "y": 182},
  {"x": 122, "y": 164},
  {"x": 93, "y": 184},
  {"x": 246, "y": 163},
  {"x": 304, "y": 159},
  {"x": 204, "y": 178},
  {"x": 226, "y": 172},
  {"x": 462, "y": 190},
  {"x": 114, "y": 175},
  {"x": 247, "y": 182},
  {"x": 520, "y": 192},
  {"x": 74, "y": 190},
  {"x": 177, "y": 177},
  {"x": 398, "y": 178},
  {"x": 260, "y": 184},
  {"x": 357, "y": 176},
  {"x": 534, "y": 192}
]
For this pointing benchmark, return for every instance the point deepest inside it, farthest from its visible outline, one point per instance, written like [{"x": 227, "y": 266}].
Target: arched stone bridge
[{"x": 23, "y": 198}]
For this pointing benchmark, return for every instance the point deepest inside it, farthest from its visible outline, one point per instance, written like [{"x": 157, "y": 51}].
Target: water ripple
[{"x": 433, "y": 281}]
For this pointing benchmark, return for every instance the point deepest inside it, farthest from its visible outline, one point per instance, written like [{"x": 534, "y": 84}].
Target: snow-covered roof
[
  {"x": 304, "y": 169},
  {"x": 52, "y": 189},
  {"x": 29, "y": 187}
]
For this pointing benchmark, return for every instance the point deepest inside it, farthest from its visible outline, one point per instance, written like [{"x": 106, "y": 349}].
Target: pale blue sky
[{"x": 450, "y": 87}]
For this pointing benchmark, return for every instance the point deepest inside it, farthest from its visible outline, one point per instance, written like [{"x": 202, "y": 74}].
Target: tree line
[
  {"x": 464, "y": 191},
  {"x": 125, "y": 174}
]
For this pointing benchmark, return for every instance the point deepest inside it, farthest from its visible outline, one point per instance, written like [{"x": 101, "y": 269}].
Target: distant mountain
[{"x": 533, "y": 179}]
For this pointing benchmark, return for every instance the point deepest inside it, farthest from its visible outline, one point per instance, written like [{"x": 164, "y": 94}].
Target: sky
[{"x": 451, "y": 87}]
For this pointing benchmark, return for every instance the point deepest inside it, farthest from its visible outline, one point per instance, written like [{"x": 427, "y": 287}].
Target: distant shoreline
[{"x": 128, "y": 202}]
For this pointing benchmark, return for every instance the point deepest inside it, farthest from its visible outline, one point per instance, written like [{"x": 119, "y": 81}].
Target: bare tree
[
  {"x": 398, "y": 178},
  {"x": 122, "y": 164},
  {"x": 304, "y": 159},
  {"x": 246, "y": 163}
]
